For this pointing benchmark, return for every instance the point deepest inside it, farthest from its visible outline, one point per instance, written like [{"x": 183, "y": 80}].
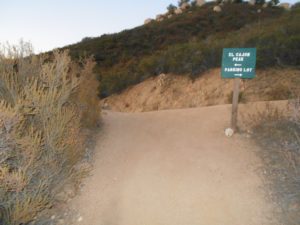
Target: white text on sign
[
  {"x": 245, "y": 70},
  {"x": 239, "y": 56}
]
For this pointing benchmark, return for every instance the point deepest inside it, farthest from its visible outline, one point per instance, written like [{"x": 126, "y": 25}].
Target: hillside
[
  {"x": 169, "y": 91},
  {"x": 191, "y": 43},
  {"x": 199, "y": 23}
]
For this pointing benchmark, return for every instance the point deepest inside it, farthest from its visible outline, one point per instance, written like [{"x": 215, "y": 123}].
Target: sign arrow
[
  {"x": 237, "y": 64},
  {"x": 238, "y": 75}
]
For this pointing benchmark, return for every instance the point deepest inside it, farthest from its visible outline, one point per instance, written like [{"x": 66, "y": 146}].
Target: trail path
[{"x": 173, "y": 168}]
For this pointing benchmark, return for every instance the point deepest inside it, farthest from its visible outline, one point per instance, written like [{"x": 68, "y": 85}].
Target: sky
[{"x": 49, "y": 24}]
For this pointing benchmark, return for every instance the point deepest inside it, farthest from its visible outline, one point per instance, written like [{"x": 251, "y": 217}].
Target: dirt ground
[{"x": 173, "y": 167}]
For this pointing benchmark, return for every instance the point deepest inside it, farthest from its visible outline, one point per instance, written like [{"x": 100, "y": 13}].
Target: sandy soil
[{"x": 173, "y": 167}]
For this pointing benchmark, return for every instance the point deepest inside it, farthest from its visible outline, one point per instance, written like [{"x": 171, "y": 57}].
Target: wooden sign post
[
  {"x": 235, "y": 103},
  {"x": 237, "y": 64}
]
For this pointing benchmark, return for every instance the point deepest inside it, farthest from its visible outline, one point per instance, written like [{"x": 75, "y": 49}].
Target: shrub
[
  {"x": 273, "y": 2},
  {"x": 260, "y": 2},
  {"x": 181, "y": 2},
  {"x": 279, "y": 92},
  {"x": 277, "y": 133},
  {"x": 86, "y": 96},
  {"x": 41, "y": 114},
  {"x": 171, "y": 8}
]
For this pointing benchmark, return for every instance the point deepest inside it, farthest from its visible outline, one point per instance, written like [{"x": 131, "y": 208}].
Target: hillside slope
[
  {"x": 171, "y": 91},
  {"x": 196, "y": 23},
  {"x": 192, "y": 43}
]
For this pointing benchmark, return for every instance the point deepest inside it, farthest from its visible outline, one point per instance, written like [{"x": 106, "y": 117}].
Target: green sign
[{"x": 239, "y": 63}]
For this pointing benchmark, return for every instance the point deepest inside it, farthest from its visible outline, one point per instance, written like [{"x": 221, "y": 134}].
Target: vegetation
[
  {"x": 260, "y": 2},
  {"x": 171, "y": 8},
  {"x": 277, "y": 132},
  {"x": 181, "y": 2},
  {"x": 44, "y": 103},
  {"x": 276, "y": 41},
  {"x": 191, "y": 43},
  {"x": 273, "y": 2}
]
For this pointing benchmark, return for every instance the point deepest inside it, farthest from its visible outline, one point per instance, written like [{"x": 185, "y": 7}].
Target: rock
[
  {"x": 160, "y": 18},
  {"x": 229, "y": 132},
  {"x": 163, "y": 80},
  {"x": 170, "y": 16},
  {"x": 259, "y": 11},
  {"x": 80, "y": 219},
  {"x": 185, "y": 6},
  {"x": 200, "y": 3},
  {"x": 178, "y": 11},
  {"x": 217, "y": 8},
  {"x": 147, "y": 21},
  {"x": 252, "y": 2},
  {"x": 286, "y": 6},
  {"x": 265, "y": 5},
  {"x": 105, "y": 106}
]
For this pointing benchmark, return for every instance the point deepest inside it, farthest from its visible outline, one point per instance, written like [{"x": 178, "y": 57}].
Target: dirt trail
[{"x": 173, "y": 167}]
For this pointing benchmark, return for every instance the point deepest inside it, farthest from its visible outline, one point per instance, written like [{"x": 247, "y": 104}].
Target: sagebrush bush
[
  {"x": 86, "y": 96},
  {"x": 44, "y": 102}
]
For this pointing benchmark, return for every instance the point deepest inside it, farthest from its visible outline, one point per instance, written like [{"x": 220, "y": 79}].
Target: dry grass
[
  {"x": 277, "y": 132},
  {"x": 262, "y": 114},
  {"x": 241, "y": 99},
  {"x": 44, "y": 103},
  {"x": 279, "y": 92},
  {"x": 86, "y": 96}
]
